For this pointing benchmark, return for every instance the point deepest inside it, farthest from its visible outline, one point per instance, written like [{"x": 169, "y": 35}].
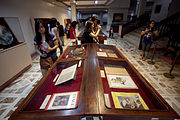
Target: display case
[
  {"x": 78, "y": 51},
  {"x": 127, "y": 95},
  {"x": 104, "y": 86},
  {"x": 101, "y": 37}
]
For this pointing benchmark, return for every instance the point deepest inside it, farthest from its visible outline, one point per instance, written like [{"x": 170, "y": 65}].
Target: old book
[
  {"x": 112, "y": 55},
  {"x": 124, "y": 100},
  {"x": 102, "y": 54},
  {"x": 120, "y": 81},
  {"x": 67, "y": 74},
  {"x": 67, "y": 100},
  {"x": 115, "y": 70}
]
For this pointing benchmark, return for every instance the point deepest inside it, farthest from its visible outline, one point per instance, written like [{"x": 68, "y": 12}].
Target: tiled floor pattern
[{"x": 169, "y": 89}]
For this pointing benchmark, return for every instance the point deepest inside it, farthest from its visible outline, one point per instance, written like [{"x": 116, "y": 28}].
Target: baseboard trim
[{"x": 14, "y": 78}]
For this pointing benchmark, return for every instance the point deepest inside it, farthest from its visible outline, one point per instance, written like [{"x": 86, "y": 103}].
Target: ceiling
[{"x": 89, "y": 6}]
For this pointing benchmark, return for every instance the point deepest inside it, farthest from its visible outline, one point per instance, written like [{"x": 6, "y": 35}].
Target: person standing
[
  {"x": 46, "y": 45},
  {"x": 89, "y": 35},
  {"x": 54, "y": 30},
  {"x": 147, "y": 38},
  {"x": 61, "y": 32},
  {"x": 73, "y": 33},
  {"x": 111, "y": 32},
  {"x": 66, "y": 31}
]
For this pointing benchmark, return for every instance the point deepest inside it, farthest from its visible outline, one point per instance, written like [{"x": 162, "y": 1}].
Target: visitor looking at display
[
  {"x": 88, "y": 34},
  {"x": 54, "y": 30},
  {"x": 46, "y": 45}
]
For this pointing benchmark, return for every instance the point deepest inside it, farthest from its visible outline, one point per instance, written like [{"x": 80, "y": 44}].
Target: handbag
[{"x": 46, "y": 63}]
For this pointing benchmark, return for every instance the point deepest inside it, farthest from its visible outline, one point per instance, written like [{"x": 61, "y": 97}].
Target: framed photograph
[
  {"x": 119, "y": 81},
  {"x": 67, "y": 100},
  {"x": 115, "y": 70},
  {"x": 117, "y": 17},
  {"x": 124, "y": 100},
  {"x": 112, "y": 55}
]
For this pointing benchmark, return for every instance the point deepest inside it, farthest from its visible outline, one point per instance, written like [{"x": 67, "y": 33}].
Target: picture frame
[
  {"x": 7, "y": 37},
  {"x": 117, "y": 17}
]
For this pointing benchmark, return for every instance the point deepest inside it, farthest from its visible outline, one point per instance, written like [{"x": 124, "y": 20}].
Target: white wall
[
  {"x": 118, "y": 6},
  {"x": 164, "y": 10},
  {"x": 104, "y": 17},
  {"x": 85, "y": 16},
  {"x": 26, "y": 9}
]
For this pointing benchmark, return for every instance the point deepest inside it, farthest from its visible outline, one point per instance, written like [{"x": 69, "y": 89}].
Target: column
[
  {"x": 73, "y": 10},
  {"x": 141, "y": 7}
]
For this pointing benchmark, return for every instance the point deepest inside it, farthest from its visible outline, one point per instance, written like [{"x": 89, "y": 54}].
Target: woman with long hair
[
  {"x": 46, "y": 45},
  {"x": 89, "y": 35},
  {"x": 54, "y": 30},
  {"x": 147, "y": 38}
]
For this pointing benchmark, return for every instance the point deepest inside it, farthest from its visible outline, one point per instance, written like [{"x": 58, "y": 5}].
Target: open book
[{"x": 67, "y": 74}]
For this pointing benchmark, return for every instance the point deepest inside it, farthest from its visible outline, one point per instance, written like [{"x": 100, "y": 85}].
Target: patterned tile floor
[{"x": 169, "y": 89}]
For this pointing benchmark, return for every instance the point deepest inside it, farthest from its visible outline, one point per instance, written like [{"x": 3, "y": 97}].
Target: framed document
[
  {"x": 112, "y": 55},
  {"x": 115, "y": 70},
  {"x": 102, "y": 54},
  {"x": 120, "y": 81},
  {"x": 67, "y": 100},
  {"x": 126, "y": 100}
]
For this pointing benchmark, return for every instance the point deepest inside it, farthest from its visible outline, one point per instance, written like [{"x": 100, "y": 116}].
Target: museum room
[{"x": 90, "y": 59}]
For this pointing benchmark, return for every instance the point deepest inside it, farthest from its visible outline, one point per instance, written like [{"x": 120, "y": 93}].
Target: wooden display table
[
  {"x": 92, "y": 86},
  {"x": 101, "y": 37}
]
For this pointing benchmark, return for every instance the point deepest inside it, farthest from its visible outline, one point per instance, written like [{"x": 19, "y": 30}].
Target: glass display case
[{"x": 104, "y": 86}]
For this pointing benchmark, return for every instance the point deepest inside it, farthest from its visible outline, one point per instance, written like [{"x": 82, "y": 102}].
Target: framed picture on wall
[
  {"x": 7, "y": 38},
  {"x": 118, "y": 17}
]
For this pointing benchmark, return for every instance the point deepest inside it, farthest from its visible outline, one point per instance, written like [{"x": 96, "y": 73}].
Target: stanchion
[
  {"x": 152, "y": 62},
  {"x": 169, "y": 75}
]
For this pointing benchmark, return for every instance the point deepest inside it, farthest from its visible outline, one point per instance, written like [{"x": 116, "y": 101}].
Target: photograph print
[
  {"x": 66, "y": 100},
  {"x": 126, "y": 100},
  {"x": 61, "y": 100}
]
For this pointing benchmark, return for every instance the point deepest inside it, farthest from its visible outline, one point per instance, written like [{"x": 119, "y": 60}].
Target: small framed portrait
[{"x": 117, "y": 17}]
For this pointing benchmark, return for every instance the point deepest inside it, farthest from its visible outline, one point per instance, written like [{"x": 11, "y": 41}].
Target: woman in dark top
[
  {"x": 147, "y": 39},
  {"x": 46, "y": 45},
  {"x": 54, "y": 30},
  {"x": 89, "y": 35}
]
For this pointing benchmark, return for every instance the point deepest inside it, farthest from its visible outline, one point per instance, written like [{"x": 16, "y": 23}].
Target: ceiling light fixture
[{"x": 96, "y": 2}]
